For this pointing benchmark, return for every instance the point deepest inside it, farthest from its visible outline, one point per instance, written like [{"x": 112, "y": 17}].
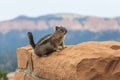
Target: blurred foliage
[{"x": 3, "y": 75}]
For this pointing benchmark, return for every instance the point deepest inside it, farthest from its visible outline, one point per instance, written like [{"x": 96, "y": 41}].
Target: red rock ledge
[{"x": 84, "y": 61}]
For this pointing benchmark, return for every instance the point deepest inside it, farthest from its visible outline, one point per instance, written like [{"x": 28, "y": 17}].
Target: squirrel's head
[{"x": 61, "y": 30}]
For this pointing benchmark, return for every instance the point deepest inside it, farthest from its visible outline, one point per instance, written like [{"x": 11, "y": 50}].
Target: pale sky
[{"x": 10, "y": 9}]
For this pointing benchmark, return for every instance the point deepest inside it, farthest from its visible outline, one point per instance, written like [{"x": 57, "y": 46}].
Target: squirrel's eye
[{"x": 61, "y": 31}]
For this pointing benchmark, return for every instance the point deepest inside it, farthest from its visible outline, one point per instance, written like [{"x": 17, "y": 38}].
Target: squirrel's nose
[{"x": 65, "y": 31}]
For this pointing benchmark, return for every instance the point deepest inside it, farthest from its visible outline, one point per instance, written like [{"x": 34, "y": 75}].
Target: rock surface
[
  {"x": 84, "y": 61},
  {"x": 11, "y": 75}
]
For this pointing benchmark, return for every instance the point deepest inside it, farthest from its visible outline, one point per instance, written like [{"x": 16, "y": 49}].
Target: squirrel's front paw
[
  {"x": 58, "y": 50},
  {"x": 64, "y": 47}
]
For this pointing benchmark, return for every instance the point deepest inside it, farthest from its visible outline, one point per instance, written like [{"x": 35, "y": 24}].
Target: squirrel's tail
[{"x": 31, "y": 41}]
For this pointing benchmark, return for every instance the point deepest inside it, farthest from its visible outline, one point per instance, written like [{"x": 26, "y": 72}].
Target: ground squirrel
[{"x": 49, "y": 43}]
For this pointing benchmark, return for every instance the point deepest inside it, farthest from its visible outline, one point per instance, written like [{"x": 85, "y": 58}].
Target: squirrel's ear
[{"x": 56, "y": 27}]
